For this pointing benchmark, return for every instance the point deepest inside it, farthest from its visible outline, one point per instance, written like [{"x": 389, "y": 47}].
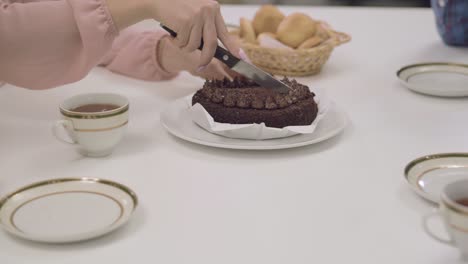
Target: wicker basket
[{"x": 295, "y": 62}]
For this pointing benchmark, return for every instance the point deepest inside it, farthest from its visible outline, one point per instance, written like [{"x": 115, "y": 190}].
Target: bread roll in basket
[{"x": 302, "y": 61}]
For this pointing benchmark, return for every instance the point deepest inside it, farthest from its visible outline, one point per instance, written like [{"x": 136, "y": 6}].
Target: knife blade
[{"x": 248, "y": 70}]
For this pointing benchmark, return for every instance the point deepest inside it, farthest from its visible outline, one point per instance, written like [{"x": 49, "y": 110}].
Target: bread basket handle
[{"x": 339, "y": 38}]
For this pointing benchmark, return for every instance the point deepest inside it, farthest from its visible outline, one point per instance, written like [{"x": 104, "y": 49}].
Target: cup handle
[
  {"x": 62, "y": 127},
  {"x": 425, "y": 225}
]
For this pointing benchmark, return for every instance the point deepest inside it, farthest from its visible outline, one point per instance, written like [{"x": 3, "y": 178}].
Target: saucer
[
  {"x": 428, "y": 175},
  {"x": 67, "y": 210},
  {"x": 176, "y": 120},
  {"x": 438, "y": 79}
]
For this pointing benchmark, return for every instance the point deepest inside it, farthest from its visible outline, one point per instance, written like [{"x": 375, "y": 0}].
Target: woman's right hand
[
  {"x": 173, "y": 60},
  {"x": 194, "y": 20}
]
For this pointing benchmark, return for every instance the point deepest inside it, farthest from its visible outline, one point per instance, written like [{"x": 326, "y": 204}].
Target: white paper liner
[{"x": 254, "y": 131}]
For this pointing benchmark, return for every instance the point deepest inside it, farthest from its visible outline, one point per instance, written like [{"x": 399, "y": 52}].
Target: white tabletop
[{"x": 341, "y": 201}]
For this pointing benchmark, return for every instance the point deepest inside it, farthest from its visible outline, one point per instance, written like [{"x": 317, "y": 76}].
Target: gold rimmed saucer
[
  {"x": 428, "y": 175},
  {"x": 436, "y": 78},
  {"x": 67, "y": 209}
]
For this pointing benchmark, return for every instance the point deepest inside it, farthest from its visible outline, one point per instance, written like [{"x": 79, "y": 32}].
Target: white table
[{"x": 341, "y": 201}]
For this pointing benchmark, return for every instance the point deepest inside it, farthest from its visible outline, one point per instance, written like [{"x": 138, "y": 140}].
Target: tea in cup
[
  {"x": 454, "y": 213},
  {"x": 94, "y": 122}
]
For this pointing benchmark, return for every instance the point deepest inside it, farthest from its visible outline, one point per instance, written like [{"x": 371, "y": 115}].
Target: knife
[{"x": 248, "y": 70}]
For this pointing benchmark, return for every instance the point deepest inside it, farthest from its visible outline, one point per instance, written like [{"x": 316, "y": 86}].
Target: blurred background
[{"x": 392, "y": 3}]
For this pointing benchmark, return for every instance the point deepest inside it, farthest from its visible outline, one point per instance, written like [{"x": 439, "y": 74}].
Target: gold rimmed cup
[
  {"x": 95, "y": 133},
  {"x": 453, "y": 211}
]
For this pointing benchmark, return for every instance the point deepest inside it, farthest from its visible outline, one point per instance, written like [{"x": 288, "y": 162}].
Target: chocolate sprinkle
[{"x": 244, "y": 93}]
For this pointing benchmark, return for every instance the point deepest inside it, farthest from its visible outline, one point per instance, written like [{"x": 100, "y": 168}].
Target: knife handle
[{"x": 221, "y": 54}]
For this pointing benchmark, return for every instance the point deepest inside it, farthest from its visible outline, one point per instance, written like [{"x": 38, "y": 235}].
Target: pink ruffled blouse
[{"x": 44, "y": 44}]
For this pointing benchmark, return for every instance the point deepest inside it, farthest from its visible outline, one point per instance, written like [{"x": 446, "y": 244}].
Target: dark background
[
  {"x": 416, "y": 3},
  {"x": 389, "y": 3}
]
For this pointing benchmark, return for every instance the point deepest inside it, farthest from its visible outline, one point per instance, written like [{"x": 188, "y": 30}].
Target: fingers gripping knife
[{"x": 248, "y": 70}]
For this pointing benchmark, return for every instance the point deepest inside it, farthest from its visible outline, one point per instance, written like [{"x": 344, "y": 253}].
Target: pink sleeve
[
  {"x": 23, "y": 1},
  {"x": 50, "y": 43},
  {"x": 134, "y": 54}
]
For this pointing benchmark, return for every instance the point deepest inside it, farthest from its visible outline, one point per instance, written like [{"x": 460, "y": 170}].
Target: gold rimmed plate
[
  {"x": 437, "y": 79},
  {"x": 428, "y": 175},
  {"x": 67, "y": 210}
]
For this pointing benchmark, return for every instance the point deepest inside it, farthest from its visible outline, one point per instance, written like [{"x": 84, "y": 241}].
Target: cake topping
[{"x": 244, "y": 93}]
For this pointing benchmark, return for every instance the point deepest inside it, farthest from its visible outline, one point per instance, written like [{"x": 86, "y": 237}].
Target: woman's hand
[
  {"x": 173, "y": 60},
  {"x": 194, "y": 20}
]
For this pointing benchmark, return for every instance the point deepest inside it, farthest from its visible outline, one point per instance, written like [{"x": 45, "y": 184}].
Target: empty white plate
[
  {"x": 430, "y": 174},
  {"x": 67, "y": 210},
  {"x": 438, "y": 79},
  {"x": 176, "y": 119}
]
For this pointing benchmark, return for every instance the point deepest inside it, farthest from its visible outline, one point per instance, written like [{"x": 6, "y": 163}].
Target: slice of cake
[{"x": 242, "y": 101}]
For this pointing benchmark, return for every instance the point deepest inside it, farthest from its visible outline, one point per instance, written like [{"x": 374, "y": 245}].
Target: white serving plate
[{"x": 176, "y": 119}]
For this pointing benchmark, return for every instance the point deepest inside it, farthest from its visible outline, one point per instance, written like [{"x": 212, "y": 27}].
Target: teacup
[
  {"x": 94, "y": 122},
  {"x": 454, "y": 213}
]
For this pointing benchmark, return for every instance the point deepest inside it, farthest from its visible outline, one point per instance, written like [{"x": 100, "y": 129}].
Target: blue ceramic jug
[{"x": 452, "y": 20}]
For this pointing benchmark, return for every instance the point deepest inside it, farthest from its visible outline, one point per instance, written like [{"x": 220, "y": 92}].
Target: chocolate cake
[{"x": 242, "y": 101}]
